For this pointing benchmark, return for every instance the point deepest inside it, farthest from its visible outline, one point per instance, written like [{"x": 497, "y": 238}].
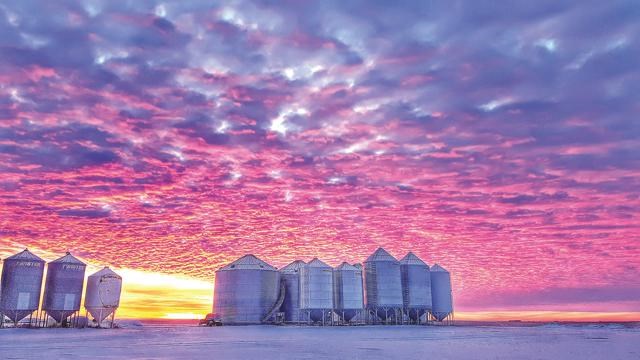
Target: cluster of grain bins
[
  {"x": 21, "y": 288},
  {"x": 381, "y": 291}
]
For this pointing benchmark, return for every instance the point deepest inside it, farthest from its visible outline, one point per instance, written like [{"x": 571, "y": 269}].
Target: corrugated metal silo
[
  {"x": 441, "y": 293},
  {"x": 316, "y": 290},
  {"x": 290, "y": 274},
  {"x": 347, "y": 291},
  {"x": 246, "y": 291},
  {"x": 20, "y": 286},
  {"x": 63, "y": 287},
  {"x": 383, "y": 287},
  {"x": 102, "y": 297},
  {"x": 416, "y": 286}
]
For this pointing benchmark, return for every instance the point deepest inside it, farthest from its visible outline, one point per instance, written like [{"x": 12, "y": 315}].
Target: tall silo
[
  {"x": 416, "y": 286},
  {"x": 290, "y": 274},
  {"x": 63, "y": 287},
  {"x": 102, "y": 296},
  {"x": 316, "y": 291},
  {"x": 20, "y": 286},
  {"x": 347, "y": 291},
  {"x": 441, "y": 293},
  {"x": 246, "y": 291},
  {"x": 383, "y": 286}
]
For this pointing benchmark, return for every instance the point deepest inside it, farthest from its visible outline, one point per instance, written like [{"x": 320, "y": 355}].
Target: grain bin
[
  {"x": 416, "y": 286},
  {"x": 246, "y": 291},
  {"x": 63, "y": 287},
  {"x": 316, "y": 290},
  {"x": 102, "y": 296},
  {"x": 20, "y": 286},
  {"x": 347, "y": 291},
  {"x": 290, "y": 274},
  {"x": 383, "y": 287},
  {"x": 441, "y": 293}
]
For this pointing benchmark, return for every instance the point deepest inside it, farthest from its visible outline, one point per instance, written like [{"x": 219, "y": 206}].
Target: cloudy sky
[{"x": 498, "y": 139}]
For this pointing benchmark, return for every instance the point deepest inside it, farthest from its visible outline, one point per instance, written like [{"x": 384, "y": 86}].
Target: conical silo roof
[
  {"x": 25, "y": 255},
  {"x": 293, "y": 266},
  {"x": 437, "y": 267},
  {"x": 412, "y": 259},
  {"x": 347, "y": 267},
  {"x": 67, "y": 259},
  {"x": 358, "y": 265},
  {"x": 381, "y": 255},
  {"x": 105, "y": 271},
  {"x": 317, "y": 263},
  {"x": 248, "y": 262}
]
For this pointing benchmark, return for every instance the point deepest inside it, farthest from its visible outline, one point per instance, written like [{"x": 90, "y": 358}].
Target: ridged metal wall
[
  {"x": 383, "y": 287},
  {"x": 416, "y": 286},
  {"x": 63, "y": 287},
  {"x": 347, "y": 290},
  {"x": 316, "y": 289},
  {"x": 21, "y": 285},
  {"x": 441, "y": 293},
  {"x": 290, "y": 274},
  {"x": 245, "y": 291}
]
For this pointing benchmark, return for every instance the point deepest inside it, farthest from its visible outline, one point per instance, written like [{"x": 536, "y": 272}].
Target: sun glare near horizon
[
  {"x": 154, "y": 295},
  {"x": 167, "y": 138}
]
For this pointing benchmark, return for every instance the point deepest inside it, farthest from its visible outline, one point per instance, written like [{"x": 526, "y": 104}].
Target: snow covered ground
[{"x": 290, "y": 342}]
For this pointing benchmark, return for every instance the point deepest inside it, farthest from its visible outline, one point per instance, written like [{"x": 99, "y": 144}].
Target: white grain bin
[
  {"x": 347, "y": 291},
  {"x": 20, "y": 286},
  {"x": 63, "y": 287},
  {"x": 290, "y": 274},
  {"x": 316, "y": 290},
  {"x": 246, "y": 291},
  {"x": 441, "y": 293},
  {"x": 383, "y": 287},
  {"x": 102, "y": 296},
  {"x": 416, "y": 286}
]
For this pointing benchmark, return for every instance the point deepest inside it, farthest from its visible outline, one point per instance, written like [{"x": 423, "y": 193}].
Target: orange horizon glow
[
  {"x": 168, "y": 140},
  {"x": 154, "y": 295},
  {"x": 527, "y": 316}
]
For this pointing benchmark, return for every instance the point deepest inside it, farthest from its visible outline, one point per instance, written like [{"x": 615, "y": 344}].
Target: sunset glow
[{"x": 168, "y": 139}]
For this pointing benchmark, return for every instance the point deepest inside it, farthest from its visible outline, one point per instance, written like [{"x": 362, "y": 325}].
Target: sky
[{"x": 166, "y": 139}]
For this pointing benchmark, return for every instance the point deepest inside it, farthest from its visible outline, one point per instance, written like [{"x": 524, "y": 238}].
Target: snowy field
[{"x": 367, "y": 342}]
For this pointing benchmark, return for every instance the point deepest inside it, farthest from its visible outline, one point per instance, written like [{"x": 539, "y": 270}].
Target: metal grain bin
[
  {"x": 246, "y": 291},
  {"x": 63, "y": 287},
  {"x": 290, "y": 274},
  {"x": 316, "y": 290},
  {"x": 20, "y": 286},
  {"x": 383, "y": 287},
  {"x": 347, "y": 291},
  {"x": 416, "y": 286},
  {"x": 441, "y": 293},
  {"x": 102, "y": 297}
]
